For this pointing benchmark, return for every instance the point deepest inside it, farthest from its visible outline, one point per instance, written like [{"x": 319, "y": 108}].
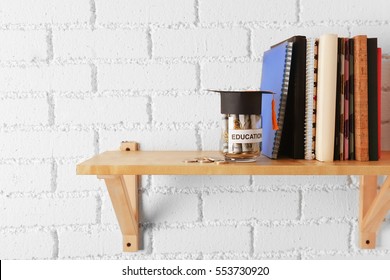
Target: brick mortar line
[
  {"x": 138, "y": 126},
  {"x": 197, "y": 13},
  {"x": 49, "y": 42},
  {"x": 249, "y": 222},
  {"x": 52, "y": 195},
  {"x": 200, "y": 207},
  {"x": 51, "y": 109},
  {"x": 240, "y": 189},
  {"x": 70, "y": 227},
  {"x": 149, "y": 40},
  {"x": 298, "y": 10},
  {"x": 351, "y": 237},
  {"x": 146, "y": 61},
  {"x": 189, "y": 25},
  {"x": 54, "y": 175},
  {"x": 92, "y": 9},
  {"x": 46, "y": 160},
  {"x": 22, "y": 95},
  {"x": 301, "y": 205},
  {"x": 56, "y": 244}
]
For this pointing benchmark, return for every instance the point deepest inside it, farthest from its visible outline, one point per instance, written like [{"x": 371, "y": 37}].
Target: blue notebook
[{"x": 275, "y": 78}]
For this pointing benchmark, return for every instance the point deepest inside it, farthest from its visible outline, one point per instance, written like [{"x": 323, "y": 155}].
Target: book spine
[
  {"x": 372, "y": 67},
  {"x": 361, "y": 98},
  {"x": 379, "y": 101},
  {"x": 336, "y": 151},
  {"x": 326, "y": 97},
  {"x": 342, "y": 97},
  {"x": 351, "y": 139},
  {"x": 298, "y": 70},
  {"x": 310, "y": 45},
  {"x": 346, "y": 100},
  {"x": 315, "y": 95},
  {"x": 283, "y": 101}
]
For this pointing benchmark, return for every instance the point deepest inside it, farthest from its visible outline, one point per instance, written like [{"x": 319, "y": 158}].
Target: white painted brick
[
  {"x": 147, "y": 77},
  {"x": 385, "y": 130},
  {"x": 138, "y": 11},
  {"x": 44, "y": 11},
  {"x": 27, "y": 111},
  {"x": 264, "y": 38},
  {"x": 300, "y": 180},
  {"x": 100, "y": 43},
  {"x": 68, "y": 181},
  {"x": 150, "y": 140},
  {"x": 94, "y": 242},
  {"x": 318, "y": 10},
  {"x": 231, "y": 75},
  {"x": 186, "y": 109},
  {"x": 211, "y": 139},
  {"x": 101, "y": 110},
  {"x": 383, "y": 236},
  {"x": 47, "y": 211},
  {"x": 42, "y": 144},
  {"x": 23, "y": 45},
  {"x": 45, "y": 78},
  {"x": 205, "y": 240},
  {"x": 198, "y": 182},
  {"x": 246, "y": 10},
  {"x": 158, "y": 208},
  {"x": 107, "y": 211},
  {"x": 25, "y": 178},
  {"x": 337, "y": 203},
  {"x": 244, "y": 206},
  {"x": 316, "y": 237},
  {"x": 200, "y": 42},
  {"x": 26, "y": 245}
]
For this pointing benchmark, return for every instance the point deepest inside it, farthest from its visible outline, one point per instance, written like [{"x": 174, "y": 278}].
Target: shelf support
[
  {"x": 123, "y": 191},
  {"x": 374, "y": 206}
]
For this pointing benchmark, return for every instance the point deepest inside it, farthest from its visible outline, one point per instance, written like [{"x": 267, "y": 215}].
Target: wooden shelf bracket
[
  {"x": 123, "y": 191},
  {"x": 121, "y": 171},
  {"x": 374, "y": 206}
]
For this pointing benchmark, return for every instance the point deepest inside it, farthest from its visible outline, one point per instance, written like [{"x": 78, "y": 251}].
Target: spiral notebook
[
  {"x": 275, "y": 78},
  {"x": 311, "y": 91}
]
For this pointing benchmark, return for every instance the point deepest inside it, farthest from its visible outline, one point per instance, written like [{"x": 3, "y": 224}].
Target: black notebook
[
  {"x": 293, "y": 140},
  {"x": 372, "y": 63}
]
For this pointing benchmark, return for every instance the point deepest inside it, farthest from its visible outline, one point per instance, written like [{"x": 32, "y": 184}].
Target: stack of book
[{"x": 328, "y": 95}]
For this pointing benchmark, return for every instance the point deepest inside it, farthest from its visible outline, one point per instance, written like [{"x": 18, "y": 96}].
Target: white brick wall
[
  {"x": 100, "y": 44},
  {"x": 138, "y": 11},
  {"x": 79, "y": 76},
  {"x": 146, "y": 77},
  {"x": 202, "y": 42},
  {"x": 44, "y": 11},
  {"x": 21, "y": 45}
]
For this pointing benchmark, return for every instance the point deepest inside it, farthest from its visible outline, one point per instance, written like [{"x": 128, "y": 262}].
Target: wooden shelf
[
  {"x": 172, "y": 163},
  {"x": 121, "y": 170}
]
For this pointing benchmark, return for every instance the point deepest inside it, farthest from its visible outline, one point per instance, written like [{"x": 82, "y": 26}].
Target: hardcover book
[
  {"x": 326, "y": 97},
  {"x": 361, "y": 97},
  {"x": 372, "y": 67}
]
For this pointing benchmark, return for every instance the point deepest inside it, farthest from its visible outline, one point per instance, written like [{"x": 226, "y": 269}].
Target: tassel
[{"x": 274, "y": 119}]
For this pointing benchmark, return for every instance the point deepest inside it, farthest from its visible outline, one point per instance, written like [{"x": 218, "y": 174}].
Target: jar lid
[{"x": 246, "y": 102}]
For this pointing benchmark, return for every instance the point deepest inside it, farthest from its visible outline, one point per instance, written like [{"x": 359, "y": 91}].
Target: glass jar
[
  {"x": 241, "y": 125},
  {"x": 241, "y": 136}
]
